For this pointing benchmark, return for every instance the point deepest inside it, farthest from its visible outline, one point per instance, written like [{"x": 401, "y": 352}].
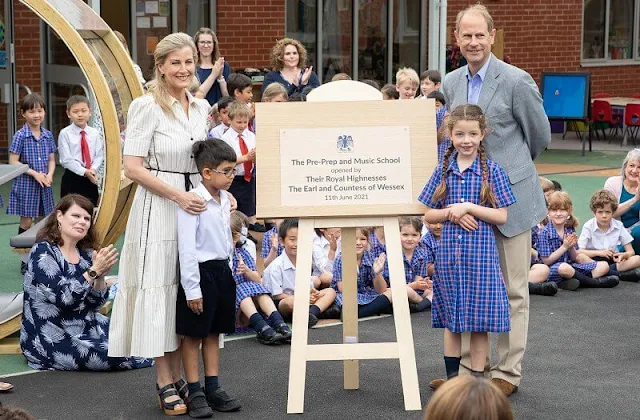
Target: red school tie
[
  {"x": 84, "y": 147},
  {"x": 247, "y": 165}
]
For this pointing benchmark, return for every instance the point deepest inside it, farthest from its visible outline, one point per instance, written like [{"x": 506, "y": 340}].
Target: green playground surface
[{"x": 578, "y": 184}]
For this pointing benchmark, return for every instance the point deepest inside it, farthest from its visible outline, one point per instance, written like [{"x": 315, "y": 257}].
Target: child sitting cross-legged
[
  {"x": 558, "y": 248},
  {"x": 279, "y": 278},
  {"x": 603, "y": 237},
  {"x": 251, "y": 295},
  {"x": 416, "y": 264}
]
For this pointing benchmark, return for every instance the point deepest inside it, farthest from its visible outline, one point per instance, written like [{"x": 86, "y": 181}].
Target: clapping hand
[
  {"x": 104, "y": 260},
  {"x": 274, "y": 242},
  {"x": 378, "y": 264},
  {"x": 242, "y": 268},
  {"x": 306, "y": 75},
  {"x": 333, "y": 241},
  {"x": 570, "y": 240}
]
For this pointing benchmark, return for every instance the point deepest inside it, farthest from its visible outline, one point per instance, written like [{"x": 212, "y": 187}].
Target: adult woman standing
[
  {"x": 212, "y": 70},
  {"x": 288, "y": 59},
  {"x": 162, "y": 126},
  {"x": 64, "y": 288},
  {"x": 625, "y": 187}
]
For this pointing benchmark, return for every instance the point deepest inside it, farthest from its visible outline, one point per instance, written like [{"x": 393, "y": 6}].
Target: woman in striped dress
[{"x": 162, "y": 127}]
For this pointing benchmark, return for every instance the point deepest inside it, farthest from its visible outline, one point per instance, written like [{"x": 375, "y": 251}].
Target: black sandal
[
  {"x": 169, "y": 408},
  {"x": 182, "y": 388},
  {"x": 198, "y": 406}
]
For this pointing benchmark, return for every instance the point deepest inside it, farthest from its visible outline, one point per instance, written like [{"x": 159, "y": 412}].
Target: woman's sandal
[
  {"x": 169, "y": 408},
  {"x": 198, "y": 406},
  {"x": 182, "y": 388},
  {"x": 5, "y": 387}
]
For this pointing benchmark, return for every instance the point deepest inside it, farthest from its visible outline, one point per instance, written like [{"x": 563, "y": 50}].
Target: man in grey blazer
[{"x": 519, "y": 133}]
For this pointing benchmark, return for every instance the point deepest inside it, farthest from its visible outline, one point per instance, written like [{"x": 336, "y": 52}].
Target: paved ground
[{"x": 581, "y": 363}]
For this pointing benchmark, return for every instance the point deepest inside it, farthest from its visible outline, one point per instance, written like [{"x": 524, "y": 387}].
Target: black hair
[
  {"x": 556, "y": 185},
  {"x": 224, "y": 102},
  {"x": 285, "y": 226},
  {"x": 31, "y": 101},
  {"x": 391, "y": 91},
  {"x": 297, "y": 97},
  {"x": 237, "y": 81},
  {"x": 210, "y": 153},
  {"x": 438, "y": 96},
  {"x": 372, "y": 83},
  {"x": 77, "y": 99},
  {"x": 433, "y": 75}
]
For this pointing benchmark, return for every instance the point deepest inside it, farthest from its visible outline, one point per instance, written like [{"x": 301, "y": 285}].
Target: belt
[{"x": 187, "y": 181}]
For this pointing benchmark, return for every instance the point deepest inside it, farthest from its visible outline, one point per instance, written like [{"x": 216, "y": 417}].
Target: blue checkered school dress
[
  {"x": 446, "y": 140},
  {"x": 244, "y": 287},
  {"x": 416, "y": 267},
  {"x": 468, "y": 288},
  {"x": 266, "y": 243},
  {"x": 429, "y": 244},
  {"x": 366, "y": 291},
  {"x": 549, "y": 241},
  {"x": 535, "y": 232},
  {"x": 376, "y": 248},
  {"x": 28, "y": 198}
]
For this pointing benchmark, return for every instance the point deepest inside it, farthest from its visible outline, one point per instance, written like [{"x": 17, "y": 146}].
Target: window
[
  {"x": 193, "y": 15},
  {"x": 609, "y": 31}
]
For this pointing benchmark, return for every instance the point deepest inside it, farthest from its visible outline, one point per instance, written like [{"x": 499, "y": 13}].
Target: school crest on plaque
[{"x": 345, "y": 143}]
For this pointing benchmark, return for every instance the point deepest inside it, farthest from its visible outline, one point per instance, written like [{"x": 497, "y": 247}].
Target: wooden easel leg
[
  {"x": 349, "y": 305},
  {"x": 401, "y": 317},
  {"x": 299, "y": 341}
]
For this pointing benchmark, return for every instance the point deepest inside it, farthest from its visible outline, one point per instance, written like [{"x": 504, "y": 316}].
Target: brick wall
[
  {"x": 545, "y": 35},
  {"x": 248, "y": 29}
]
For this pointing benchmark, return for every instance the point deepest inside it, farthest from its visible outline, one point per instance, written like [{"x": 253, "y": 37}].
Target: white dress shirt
[
  {"x": 231, "y": 138},
  {"x": 218, "y": 131},
  {"x": 320, "y": 256},
  {"x": 70, "y": 151},
  {"x": 592, "y": 237},
  {"x": 280, "y": 276},
  {"x": 203, "y": 237}
]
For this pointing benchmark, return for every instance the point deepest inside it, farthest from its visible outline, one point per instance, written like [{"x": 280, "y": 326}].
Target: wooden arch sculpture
[{"x": 111, "y": 75}]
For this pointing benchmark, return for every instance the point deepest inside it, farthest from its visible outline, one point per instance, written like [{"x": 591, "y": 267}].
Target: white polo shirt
[
  {"x": 280, "y": 276},
  {"x": 594, "y": 238}
]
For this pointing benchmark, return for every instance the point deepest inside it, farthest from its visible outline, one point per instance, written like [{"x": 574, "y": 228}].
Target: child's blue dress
[
  {"x": 366, "y": 293},
  {"x": 469, "y": 294},
  {"x": 548, "y": 241},
  {"x": 244, "y": 287}
]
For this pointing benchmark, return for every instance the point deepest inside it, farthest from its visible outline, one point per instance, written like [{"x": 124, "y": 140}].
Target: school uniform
[
  {"x": 366, "y": 292},
  {"x": 429, "y": 244},
  {"x": 446, "y": 140},
  {"x": 549, "y": 241},
  {"x": 469, "y": 293},
  {"x": 76, "y": 158},
  {"x": 204, "y": 248},
  {"x": 592, "y": 237},
  {"x": 28, "y": 198},
  {"x": 320, "y": 261},
  {"x": 416, "y": 267},
  {"x": 266, "y": 243},
  {"x": 280, "y": 277},
  {"x": 250, "y": 247},
  {"x": 244, "y": 287},
  {"x": 376, "y": 248},
  {"x": 218, "y": 131},
  {"x": 243, "y": 187}
]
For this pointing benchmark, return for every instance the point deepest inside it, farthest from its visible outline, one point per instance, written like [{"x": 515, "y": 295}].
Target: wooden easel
[{"x": 315, "y": 115}]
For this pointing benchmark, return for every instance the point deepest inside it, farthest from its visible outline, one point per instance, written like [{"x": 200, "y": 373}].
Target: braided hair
[{"x": 467, "y": 113}]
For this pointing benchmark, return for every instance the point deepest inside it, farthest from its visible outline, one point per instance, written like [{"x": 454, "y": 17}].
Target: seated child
[
  {"x": 244, "y": 241},
  {"x": 539, "y": 272},
  {"x": 439, "y": 97},
  {"x": 389, "y": 92},
  {"x": 602, "y": 237},
  {"x": 558, "y": 248},
  {"x": 419, "y": 285},
  {"x": 271, "y": 246},
  {"x": 430, "y": 81},
  {"x": 371, "y": 83},
  {"x": 430, "y": 237},
  {"x": 377, "y": 246},
  {"x": 81, "y": 152},
  {"x": 547, "y": 187},
  {"x": 407, "y": 82},
  {"x": 279, "y": 278},
  {"x": 275, "y": 92},
  {"x": 374, "y": 298},
  {"x": 225, "y": 122},
  {"x": 207, "y": 290},
  {"x": 251, "y": 295},
  {"x": 325, "y": 245},
  {"x": 340, "y": 76}
]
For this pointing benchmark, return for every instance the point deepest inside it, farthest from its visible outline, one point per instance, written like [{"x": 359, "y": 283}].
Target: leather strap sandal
[
  {"x": 169, "y": 408},
  {"x": 182, "y": 388}
]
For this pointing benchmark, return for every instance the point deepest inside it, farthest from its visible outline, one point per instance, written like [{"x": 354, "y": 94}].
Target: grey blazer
[{"x": 519, "y": 133}]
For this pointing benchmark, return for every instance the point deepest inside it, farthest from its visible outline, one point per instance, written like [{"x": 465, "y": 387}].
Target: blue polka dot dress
[{"x": 469, "y": 294}]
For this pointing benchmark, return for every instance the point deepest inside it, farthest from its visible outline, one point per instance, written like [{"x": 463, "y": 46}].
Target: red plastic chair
[
  {"x": 602, "y": 95},
  {"x": 601, "y": 113},
  {"x": 632, "y": 121}
]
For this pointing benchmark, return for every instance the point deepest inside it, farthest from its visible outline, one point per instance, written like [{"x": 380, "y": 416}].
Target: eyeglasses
[
  {"x": 207, "y": 43},
  {"x": 230, "y": 172}
]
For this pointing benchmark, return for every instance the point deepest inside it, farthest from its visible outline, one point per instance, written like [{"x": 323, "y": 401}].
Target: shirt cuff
[{"x": 194, "y": 293}]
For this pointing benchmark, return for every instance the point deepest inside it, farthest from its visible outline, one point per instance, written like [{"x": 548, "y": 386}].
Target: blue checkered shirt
[
  {"x": 266, "y": 243},
  {"x": 366, "y": 291},
  {"x": 429, "y": 244}
]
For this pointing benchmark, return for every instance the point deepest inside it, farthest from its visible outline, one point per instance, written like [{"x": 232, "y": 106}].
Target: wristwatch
[{"x": 93, "y": 274}]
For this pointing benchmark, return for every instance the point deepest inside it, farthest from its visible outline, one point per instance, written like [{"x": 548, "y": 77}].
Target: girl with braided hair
[{"x": 469, "y": 294}]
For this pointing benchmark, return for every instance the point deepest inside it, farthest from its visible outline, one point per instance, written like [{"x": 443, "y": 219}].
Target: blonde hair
[
  {"x": 407, "y": 74},
  {"x": 274, "y": 90},
  {"x": 158, "y": 86},
  {"x": 478, "y": 9},
  {"x": 546, "y": 184},
  {"x": 340, "y": 76},
  {"x": 277, "y": 53},
  {"x": 216, "y": 47},
  {"x": 466, "y": 397},
  {"x": 467, "y": 113},
  {"x": 238, "y": 109},
  {"x": 560, "y": 200}
]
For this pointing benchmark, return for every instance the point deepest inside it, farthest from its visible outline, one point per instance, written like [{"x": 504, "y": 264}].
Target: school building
[{"x": 368, "y": 39}]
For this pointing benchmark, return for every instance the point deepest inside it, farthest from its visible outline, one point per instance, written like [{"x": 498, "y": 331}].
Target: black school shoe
[
  {"x": 285, "y": 333},
  {"x": 630, "y": 275},
  {"x": 545, "y": 289},
  {"x": 271, "y": 339},
  {"x": 332, "y": 313},
  {"x": 219, "y": 400},
  {"x": 571, "y": 284},
  {"x": 257, "y": 227},
  {"x": 313, "y": 320},
  {"x": 198, "y": 406}
]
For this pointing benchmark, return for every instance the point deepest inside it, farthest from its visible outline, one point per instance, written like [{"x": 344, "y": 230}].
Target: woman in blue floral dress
[{"x": 64, "y": 288}]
